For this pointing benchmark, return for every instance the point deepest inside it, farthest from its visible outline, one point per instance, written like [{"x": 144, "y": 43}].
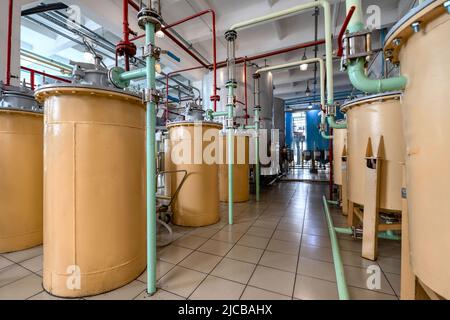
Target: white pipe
[
  {"x": 298, "y": 63},
  {"x": 328, "y": 38}
]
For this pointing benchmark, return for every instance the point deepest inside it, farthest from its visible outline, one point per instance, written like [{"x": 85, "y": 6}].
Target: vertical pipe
[
  {"x": 214, "y": 57},
  {"x": 151, "y": 165},
  {"x": 126, "y": 33},
  {"x": 9, "y": 45},
  {"x": 32, "y": 79},
  {"x": 245, "y": 92},
  {"x": 231, "y": 100},
  {"x": 257, "y": 108},
  {"x": 230, "y": 145}
]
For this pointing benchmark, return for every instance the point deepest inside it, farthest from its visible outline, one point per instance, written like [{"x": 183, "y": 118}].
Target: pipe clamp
[{"x": 151, "y": 95}]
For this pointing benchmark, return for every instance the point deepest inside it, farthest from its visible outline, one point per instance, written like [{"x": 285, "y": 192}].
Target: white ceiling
[{"x": 105, "y": 16}]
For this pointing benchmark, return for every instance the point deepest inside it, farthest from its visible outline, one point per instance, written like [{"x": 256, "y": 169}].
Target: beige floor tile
[
  {"x": 228, "y": 236},
  {"x": 218, "y": 248},
  {"x": 278, "y": 281},
  {"x": 214, "y": 288},
  {"x": 128, "y": 292},
  {"x": 5, "y": 262},
  {"x": 181, "y": 281},
  {"x": 358, "y": 277},
  {"x": 162, "y": 268},
  {"x": 280, "y": 261},
  {"x": 287, "y": 236},
  {"x": 246, "y": 254},
  {"x": 34, "y": 264},
  {"x": 351, "y": 258},
  {"x": 265, "y": 224},
  {"x": 290, "y": 227},
  {"x": 316, "y": 253},
  {"x": 317, "y": 241},
  {"x": 307, "y": 288},
  {"x": 320, "y": 231},
  {"x": 21, "y": 289},
  {"x": 159, "y": 295},
  {"x": 234, "y": 270},
  {"x": 204, "y": 232},
  {"x": 286, "y": 247},
  {"x": 238, "y": 227},
  {"x": 316, "y": 269},
  {"x": 200, "y": 261},
  {"x": 260, "y": 232},
  {"x": 363, "y": 294},
  {"x": 350, "y": 245},
  {"x": 253, "y": 242},
  {"x": 391, "y": 265},
  {"x": 252, "y": 293},
  {"x": 394, "y": 280},
  {"x": 12, "y": 273},
  {"x": 174, "y": 254},
  {"x": 23, "y": 255},
  {"x": 46, "y": 296},
  {"x": 190, "y": 242}
]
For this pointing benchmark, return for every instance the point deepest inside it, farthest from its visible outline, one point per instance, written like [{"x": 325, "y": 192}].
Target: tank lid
[
  {"x": 18, "y": 99},
  {"x": 192, "y": 123},
  {"x": 74, "y": 86},
  {"x": 380, "y": 96},
  {"x": 402, "y": 30}
]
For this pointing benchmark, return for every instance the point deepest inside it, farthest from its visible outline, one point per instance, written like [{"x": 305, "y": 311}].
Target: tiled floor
[
  {"x": 277, "y": 249},
  {"x": 298, "y": 173}
]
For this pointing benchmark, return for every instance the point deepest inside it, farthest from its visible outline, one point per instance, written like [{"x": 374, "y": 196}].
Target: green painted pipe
[
  {"x": 333, "y": 124},
  {"x": 338, "y": 266},
  {"x": 257, "y": 164},
  {"x": 344, "y": 230},
  {"x": 358, "y": 78},
  {"x": 388, "y": 235},
  {"x": 219, "y": 114},
  {"x": 325, "y": 136},
  {"x": 356, "y": 70},
  {"x": 248, "y": 127},
  {"x": 336, "y": 203},
  {"x": 151, "y": 165},
  {"x": 230, "y": 144},
  {"x": 133, "y": 74}
]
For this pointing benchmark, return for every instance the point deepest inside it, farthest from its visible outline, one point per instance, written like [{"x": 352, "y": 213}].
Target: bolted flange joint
[
  {"x": 147, "y": 15},
  {"x": 256, "y": 76},
  {"x": 151, "y": 95},
  {"x": 151, "y": 50},
  {"x": 230, "y": 35},
  {"x": 215, "y": 98},
  {"x": 231, "y": 83}
]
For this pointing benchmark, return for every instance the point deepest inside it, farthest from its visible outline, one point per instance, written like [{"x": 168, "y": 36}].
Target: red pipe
[
  {"x": 126, "y": 33},
  {"x": 171, "y": 37},
  {"x": 34, "y": 72},
  {"x": 9, "y": 45},
  {"x": 215, "y": 97},
  {"x": 343, "y": 29},
  {"x": 245, "y": 92}
]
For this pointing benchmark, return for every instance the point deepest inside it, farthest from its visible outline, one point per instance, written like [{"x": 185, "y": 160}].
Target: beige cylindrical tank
[
  {"x": 21, "y": 147},
  {"x": 339, "y": 142},
  {"x": 241, "y": 169},
  {"x": 377, "y": 119},
  {"x": 94, "y": 189},
  {"x": 424, "y": 60},
  {"x": 197, "y": 203}
]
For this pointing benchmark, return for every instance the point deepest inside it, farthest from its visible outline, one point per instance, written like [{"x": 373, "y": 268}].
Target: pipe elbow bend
[
  {"x": 333, "y": 124},
  {"x": 360, "y": 81}
]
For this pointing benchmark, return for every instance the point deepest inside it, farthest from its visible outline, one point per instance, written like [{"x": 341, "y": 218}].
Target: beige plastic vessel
[
  {"x": 369, "y": 119},
  {"x": 94, "y": 190},
  {"x": 339, "y": 142},
  {"x": 197, "y": 203},
  {"x": 241, "y": 170},
  {"x": 21, "y": 185},
  {"x": 424, "y": 59}
]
